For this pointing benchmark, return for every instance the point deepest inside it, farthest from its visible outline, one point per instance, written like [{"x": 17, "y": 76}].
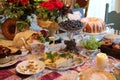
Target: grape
[
  {"x": 91, "y": 43},
  {"x": 71, "y": 25}
]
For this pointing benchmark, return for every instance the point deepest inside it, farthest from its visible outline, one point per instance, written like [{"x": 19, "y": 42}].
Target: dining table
[{"x": 9, "y": 72}]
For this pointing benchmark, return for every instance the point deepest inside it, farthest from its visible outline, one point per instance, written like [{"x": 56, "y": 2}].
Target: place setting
[
  {"x": 7, "y": 57},
  {"x": 30, "y": 67}
]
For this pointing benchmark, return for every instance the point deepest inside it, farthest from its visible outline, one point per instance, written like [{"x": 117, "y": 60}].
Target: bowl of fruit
[{"x": 91, "y": 45}]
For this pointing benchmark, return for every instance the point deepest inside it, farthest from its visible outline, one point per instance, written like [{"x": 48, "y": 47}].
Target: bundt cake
[
  {"x": 93, "y": 25},
  {"x": 8, "y": 28}
]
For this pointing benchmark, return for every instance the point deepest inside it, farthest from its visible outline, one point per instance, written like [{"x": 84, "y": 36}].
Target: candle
[{"x": 101, "y": 60}]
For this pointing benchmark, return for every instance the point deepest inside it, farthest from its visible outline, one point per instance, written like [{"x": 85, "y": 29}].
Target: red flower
[
  {"x": 51, "y": 9},
  {"x": 24, "y": 2},
  {"x": 48, "y": 5},
  {"x": 45, "y": 33},
  {"x": 52, "y": 4},
  {"x": 59, "y": 5}
]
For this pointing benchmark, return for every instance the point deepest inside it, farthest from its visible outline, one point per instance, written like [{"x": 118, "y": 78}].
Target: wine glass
[
  {"x": 52, "y": 46},
  {"x": 52, "y": 38}
]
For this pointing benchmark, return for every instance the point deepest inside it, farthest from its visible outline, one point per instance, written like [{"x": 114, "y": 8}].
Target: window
[{"x": 97, "y": 7}]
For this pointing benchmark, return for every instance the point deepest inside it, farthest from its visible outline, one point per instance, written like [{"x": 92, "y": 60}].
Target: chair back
[{"x": 112, "y": 17}]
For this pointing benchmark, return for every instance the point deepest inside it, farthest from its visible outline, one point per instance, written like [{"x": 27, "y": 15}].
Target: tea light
[{"x": 101, "y": 60}]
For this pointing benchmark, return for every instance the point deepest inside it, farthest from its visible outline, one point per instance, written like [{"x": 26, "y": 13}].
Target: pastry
[
  {"x": 107, "y": 42},
  {"x": 116, "y": 46}
]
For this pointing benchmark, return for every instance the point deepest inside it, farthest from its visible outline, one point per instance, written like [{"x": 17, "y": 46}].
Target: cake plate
[{"x": 71, "y": 26}]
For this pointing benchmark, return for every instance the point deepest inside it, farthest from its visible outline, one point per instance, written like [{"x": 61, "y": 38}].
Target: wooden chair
[{"x": 112, "y": 17}]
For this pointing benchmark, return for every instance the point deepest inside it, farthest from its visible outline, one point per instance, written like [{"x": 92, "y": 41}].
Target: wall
[{"x": 117, "y": 7}]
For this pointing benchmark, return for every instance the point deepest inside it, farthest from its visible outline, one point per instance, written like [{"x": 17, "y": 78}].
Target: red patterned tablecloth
[{"x": 9, "y": 73}]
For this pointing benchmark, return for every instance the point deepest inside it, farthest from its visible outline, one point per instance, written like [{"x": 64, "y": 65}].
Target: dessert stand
[{"x": 71, "y": 26}]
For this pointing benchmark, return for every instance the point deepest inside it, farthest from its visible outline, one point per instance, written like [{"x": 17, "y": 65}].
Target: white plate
[
  {"x": 95, "y": 34},
  {"x": 37, "y": 66},
  {"x": 10, "y": 63},
  {"x": 73, "y": 65}
]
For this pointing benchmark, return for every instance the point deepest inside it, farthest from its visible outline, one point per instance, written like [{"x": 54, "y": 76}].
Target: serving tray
[{"x": 110, "y": 51}]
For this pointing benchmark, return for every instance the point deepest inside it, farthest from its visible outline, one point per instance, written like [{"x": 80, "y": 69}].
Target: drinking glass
[{"x": 52, "y": 38}]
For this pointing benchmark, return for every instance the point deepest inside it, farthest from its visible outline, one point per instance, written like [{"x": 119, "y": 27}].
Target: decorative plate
[
  {"x": 30, "y": 67},
  {"x": 73, "y": 65},
  {"x": 95, "y": 74},
  {"x": 11, "y": 62},
  {"x": 62, "y": 63}
]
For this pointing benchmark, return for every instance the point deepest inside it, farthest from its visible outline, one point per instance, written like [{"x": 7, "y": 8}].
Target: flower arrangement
[
  {"x": 46, "y": 9},
  {"x": 49, "y": 9},
  {"x": 17, "y": 9},
  {"x": 47, "y": 12},
  {"x": 42, "y": 36}
]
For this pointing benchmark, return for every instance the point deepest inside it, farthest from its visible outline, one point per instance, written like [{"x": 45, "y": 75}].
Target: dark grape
[{"x": 71, "y": 25}]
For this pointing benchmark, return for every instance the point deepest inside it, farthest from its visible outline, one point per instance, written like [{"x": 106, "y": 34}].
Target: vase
[
  {"x": 51, "y": 26},
  {"x": 52, "y": 32}
]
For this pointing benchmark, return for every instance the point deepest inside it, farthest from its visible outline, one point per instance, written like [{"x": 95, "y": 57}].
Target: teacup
[{"x": 37, "y": 47}]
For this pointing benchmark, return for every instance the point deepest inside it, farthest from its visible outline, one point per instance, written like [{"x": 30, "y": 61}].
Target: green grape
[{"x": 91, "y": 43}]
